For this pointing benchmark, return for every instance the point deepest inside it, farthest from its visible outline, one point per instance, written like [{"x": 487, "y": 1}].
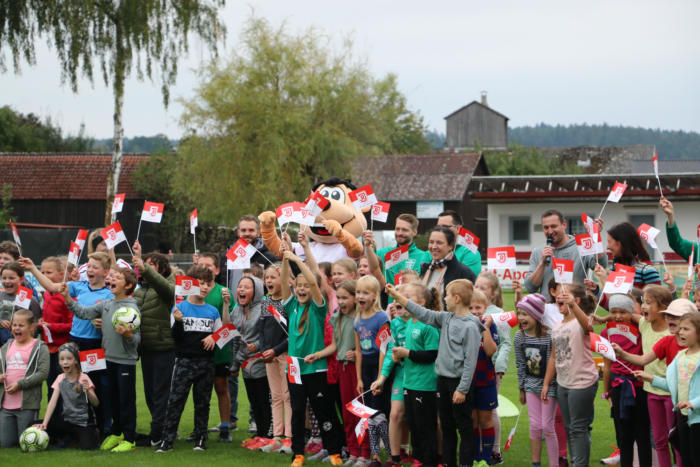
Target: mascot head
[{"x": 339, "y": 209}]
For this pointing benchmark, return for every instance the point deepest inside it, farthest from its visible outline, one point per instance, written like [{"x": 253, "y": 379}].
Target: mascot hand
[
  {"x": 267, "y": 219},
  {"x": 334, "y": 228}
]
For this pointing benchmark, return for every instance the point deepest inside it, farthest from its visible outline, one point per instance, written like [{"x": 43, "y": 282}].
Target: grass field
[{"x": 227, "y": 454}]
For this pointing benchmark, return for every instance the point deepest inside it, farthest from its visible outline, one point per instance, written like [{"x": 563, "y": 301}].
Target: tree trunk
[{"x": 115, "y": 167}]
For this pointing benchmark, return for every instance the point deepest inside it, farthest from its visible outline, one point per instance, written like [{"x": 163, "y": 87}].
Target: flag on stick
[
  {"x": 563, "y": 270},
  {"x": 468, "y": 240},
  {"x": 92, "y": 360},
  {"x": 395, "y": 256},
  {"x": 186, "y": 286},
  {"x": 113, "y": 235},
  {"x": 362, "y": 197},
  {"x": 118, "y": 203},
  {"x": 240, "y": 254},
  {"x": 23, "y": 297},
  {"x": 73, "y": 253},
  {"x": 616, "y": 192},
  {"x": 380, "y": 211},
  {"x": 225, "y": 334},
  {"x": 293, "y": 370},
  {"x": 383, "y": 338},
  {"x": 501, "y": 257},
  {"x": 81, "y": 238},
  {"x": 505, "y": 320}
]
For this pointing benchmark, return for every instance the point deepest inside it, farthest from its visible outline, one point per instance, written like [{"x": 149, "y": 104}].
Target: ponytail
[{"x": 304, "y": 319}]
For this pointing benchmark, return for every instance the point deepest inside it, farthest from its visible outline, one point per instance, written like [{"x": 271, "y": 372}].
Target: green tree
[
  {"x": 28, "y": 133},
  {"x": 6, "y": 209},
  {"x": 521, "y": 160},
  {"x": 282, "y": 113},
  {"x": 120, "y": 36}
]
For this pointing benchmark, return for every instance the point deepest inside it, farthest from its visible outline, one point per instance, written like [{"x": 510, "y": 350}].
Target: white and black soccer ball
[
  {"x": 129, "y": 317},
  {"x": 33, "y": 440}
]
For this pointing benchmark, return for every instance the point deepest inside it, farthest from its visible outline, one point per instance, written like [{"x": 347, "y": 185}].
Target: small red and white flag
[
  {"x": 380, "y": 211},
  {"x": 293, "y": 370},
  {"x": 278, "y": 316},
  {"x": 240, "y": 254},
  {"x": 15, "y": 234},
  {"x": 468, "y": 240},
  {"x": 585, "y": 245},
  {"x": 602, "y": 346},
  {"x": 648, "y": 234},
  {"x": 505, "y": 320},
  {"x": 383, "y": 338},
  {"x": 511, "y": 435},
  {"x": 398, "y": 279},
  {"x": 186, "y": 286},
  {"x": 152, "y": 212},
  {"x": 588, "y": 222},
  {"x": 303, "y": 216},
  {"x": 690, "y": 261},
  {"x": 73, "y": 253},
  {"x": 616, "y": 192},
  {"x": 655, "y": 163},
  {"x": 563, "y": 270},
  {"x": 362, "y": 197},
  {"x": 23, "y": 298},
  {"x": 618, "y": 282},
  {"x": 361, "y": 430},
  {"x": 113, "y": 235},
  {"x": 315, "y": 203},
  {"x": 396, "y": 256},
  {"x": 599, "y": 248},
  {"x": 250, "y": 360},
  {"x": 285, "y": 213},
  {"x": 225, "y": 334},
  {"x": 626, "y": 269},
  {"x": 193, "y": 221},
  {"x": 81, "y": 238},
  {"x": 118, "y": 203},
  {"x": 502, "y": 257},
  {"x": 359, "y": 409},
  {"x": 93, "y": 360}
]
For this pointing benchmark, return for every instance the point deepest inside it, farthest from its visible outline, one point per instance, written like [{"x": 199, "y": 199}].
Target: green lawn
[{"x": 224, "y": 454}]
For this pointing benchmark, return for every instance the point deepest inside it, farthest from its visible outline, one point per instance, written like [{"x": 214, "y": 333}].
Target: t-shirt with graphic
[
  {"x": 485, "y": 373},
  {"x": 310, "y": 339},
  {"x": 572, "y": 356},
  {"x": 367, "y": 330},
  {"x": 667, "y": 348},
  {"x": 15, "y": 370},
  {"x": 657, "y": 367},
  {"x": 74, "y": 399},
  {"x": 532, "y": 354},
  {"x": 687, "y": 364},
  {"x": 198, "y": 322},
  {"x": 86, "y": 296},
  {"x": 420, "y": 376}
]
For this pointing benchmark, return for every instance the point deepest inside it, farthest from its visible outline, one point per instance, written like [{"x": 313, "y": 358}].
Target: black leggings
[
  {"x": 421, "y": 410},
  {"x": 86, "y": 435},
  {"x": 634, "y": 428},
  {"x": 258, "y": 391},
  {"x": 689, "y": 437}
]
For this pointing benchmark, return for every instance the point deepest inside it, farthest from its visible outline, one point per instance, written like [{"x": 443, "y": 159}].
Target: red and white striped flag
[
  {"x": 240, "y": 254},
  {"x": 618, "y": 282},
  {"x": 563, "y": 270},
  {"x": 225, "y": 334},
  {"x": 588, "y": 223},
  {"x": 468, "y": 240},
  {"x": 152, "y": 212},
  {"x": 293, "y": 370},
  {"x": 81, "y": 238},
  {"x": 362, "y": 197},
  {"x": 315, "y": 203},
  {"x": 186, "y": 286},
  {"x": 113, "y": 235},
  {"x": 359, "y": 409},
  {"x": 92, "y": 360},
  {"x": 250, "y": 360},
  {"x": 361, "y": 430},
  {"x": 395, "y": 256},
  {"x": 616, "y": 192},
  {"x": 303, "y": 216},
  {"x": 655, "y": 163},
  {"x": 648, "y": 234},
  {"x": 118, "y": 203},
  {"x": 585, "y": 244},
  {"x": 501, "y": 257},
  {"x": 631, "y": 333},
  {"x": 602, "y": 346},
  {"x": 383, "y": 338},
  {"x": 278, "y": 316},
  {"x": 23, "y": 298},
  {"x": 511, "y": 435},
  {"x": 505, "y": 320},
  {"x": 380, "y": 211},
  {"x": 690, "y": 261},
  {"x": 285, "y": 213},
  {"x": 194, "y": 222},
  {"x": 15, "y": 234},
  {"x": 73, "y": 253}
]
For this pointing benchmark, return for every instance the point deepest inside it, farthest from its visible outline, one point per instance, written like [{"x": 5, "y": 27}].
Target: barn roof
[
  {"x": 417, "y": 177},
  {"x": 486, "y": 107},
  {"x": 65, "y": 175}
]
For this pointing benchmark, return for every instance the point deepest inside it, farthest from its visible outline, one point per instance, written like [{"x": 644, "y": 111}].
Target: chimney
[{"x": 483, "y": 99}]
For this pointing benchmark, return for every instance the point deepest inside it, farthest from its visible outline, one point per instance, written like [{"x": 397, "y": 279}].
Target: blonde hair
[
  {"x": 59, "y": 262},
  {"x": 346, "y": 263},
  {"x": 371, "y": 283},
  {"x": 495, "y": 285},
  {"x": 102, "y": 258},
  {"x": 431, "y": 295},
  {"x": 462, "y": 287},
  {"x": 479, "y": 297}
]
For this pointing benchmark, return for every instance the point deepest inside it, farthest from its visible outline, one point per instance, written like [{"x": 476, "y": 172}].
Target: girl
[
  {"x": 627, "y": 249},
  {"x": 343, "y": 270},
  {"x": 682, "y": 380},
  {"x": 24, "y": 365},
  {"x": 273, "y": 344},
  {"x": 77, "y": 393},
  {"x": 490, "y": 285},
  {"x": 533, "y": 349},
  {"x": 577, "y": 377},
  {"x": 12, "y": 279},
  {"x": 485, "y": 392},
  {"x": 629, "y": 401},
  {"x": 307, "y": 311},
  {"x": 363, "y": 268}
]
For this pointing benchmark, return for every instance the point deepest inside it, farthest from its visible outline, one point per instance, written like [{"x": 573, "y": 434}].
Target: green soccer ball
[
  {"x": 33, "y": 440},
  {"x": 129, "y": 317}
]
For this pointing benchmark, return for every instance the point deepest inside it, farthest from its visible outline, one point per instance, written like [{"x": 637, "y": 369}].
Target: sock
[
  {"x": 224, "y": 426},
  {"x": 477, "y": 445},
  {"x": 395, "y": 458},
  {"x": 487, "y": 437}
]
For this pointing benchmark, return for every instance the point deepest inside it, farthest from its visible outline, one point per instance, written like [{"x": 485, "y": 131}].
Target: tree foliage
[
  {"x": 28, "y": 133},
  {"x": 283, "y": 112},
  {"x": 521, "y": 160}
]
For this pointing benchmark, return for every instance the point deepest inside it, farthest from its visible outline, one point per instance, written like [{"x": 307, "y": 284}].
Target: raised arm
[
  {"x": 284, "y": 277},
  {"x": 375, "y": 266},
  {"x": 28, "y": 265},
  {"x": 306, "y": 272},
  {"x": 639, "y": 360}
]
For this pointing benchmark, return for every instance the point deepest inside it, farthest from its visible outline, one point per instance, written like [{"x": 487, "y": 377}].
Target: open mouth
[{"x": 319, "y": 229}]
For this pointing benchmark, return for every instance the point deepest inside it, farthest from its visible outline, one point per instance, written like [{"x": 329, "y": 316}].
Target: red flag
[
  {"x": 501, "y": 257},
  {"x": 648, "y": 234},
  {"x": 563, "y": 270},
  {"x": 113, "y": 235},
  {"x": 239, "y": 254},
  {"x": 655, "y": 163},
  {"x": 285, "y": 213},
  {"x": 626, "y": 269},
  {"x": 588, "y": 222},
  {"x": 616, "y": 192},
  {"x": 225, "y": 334},
  {"x": 398, "y": 279},
  {"x": 585, "y": 244},
  {"x": 315, "y": 203},
  {"x": 631, "y": 333},
  {"x": 15, "y": 234},
  {"x": 362, "y": 197},
  {"x": 193, "y": 221},
  {"x": 152, "y": 212},
  {"x": 23, "y": 298},
  {"x": 118, "y": 203},
  {"x": 618, "y": 282},
  {"x": 602, "y": 346},
  {"x": 81, "y": 238},
  {"x": 361, "y": 430},
  {"x": 383, "y": 338},
  {"x": 249, "y": 360},
  {"x": 505, "y": 320},
  {"x": 293, "y": 370},
  {"x": 73, "y": 253},
  {"x": 380, "y": 211},
  {"x": 359, "y": 409},
  {"x": 186, "y": 286},
  {"x": 278, "y": 316},
  {"x": 468, "y": 240},
  {"x": 396, "y": 256},
  {"x": 92, "y": 360}
]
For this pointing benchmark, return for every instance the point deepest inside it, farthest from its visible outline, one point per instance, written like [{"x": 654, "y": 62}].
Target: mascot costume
[{"x": 335, "y": 232}]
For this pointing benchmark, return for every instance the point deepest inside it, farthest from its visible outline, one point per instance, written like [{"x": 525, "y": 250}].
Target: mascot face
[{"x": 339, "y": 209}]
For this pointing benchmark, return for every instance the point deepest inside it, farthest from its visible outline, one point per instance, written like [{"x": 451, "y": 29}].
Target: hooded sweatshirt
[
  {"x": 37, "y": 372},
  {"x": 246, "y": 319}
]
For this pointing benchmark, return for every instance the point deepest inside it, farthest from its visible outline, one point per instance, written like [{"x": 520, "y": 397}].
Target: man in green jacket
[
  {"x": 677, "y": 243},
  {"x": 453, "y": 221},
  {"x": 405, "y": 230}
]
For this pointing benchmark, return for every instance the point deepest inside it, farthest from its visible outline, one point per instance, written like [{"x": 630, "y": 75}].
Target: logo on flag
[
  {"x": 15, "y": 234},
  {"x": 186, "y": 286},
  {"x": 359, "y": 409},
  {"x": 73, "y": 253},
  {"x": 380, "y": 211},
  {"x": 383, "y": 338},
  {"x": 563, "y": 270},
  {"x": 285, "y": 213},
  {"x": 501, "y": 257},
  {"x": 398, "y": 279},
  {"x": 152, "y": 212},
  {"x": 395, "y": 256},
  {"x": 118, "y": 203},
  {"x": 293, "y": 370},
  {"x": 622, "y": 329},
  {"x": 91, "y": 360},
  {"x": 225, "y": 334},
  {"x": 648, "y": 234},
  {"x": 363, "y": 197},
  {"x": 315, "y": 203},
  {"x": 278, "y": 316},
  {"x": 468, "y": 240},
  {"x": 616, "y": 192},
  {"x": 602, "y": 346},
  {"x": 193, "y": 221},
  {"x": 505, "y": 320},
  {"x": 239, "y": 254},
  {"x": 619, "y": 282},
  {"x": 81, "y": 238},
  {"x": 585, "y": 245},
  {"x": 23, "y": 298},
  {"x": 113, "y": 235}
]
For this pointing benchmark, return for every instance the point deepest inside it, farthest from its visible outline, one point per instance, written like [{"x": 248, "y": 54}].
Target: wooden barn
[{"x": 478, "y": 123}]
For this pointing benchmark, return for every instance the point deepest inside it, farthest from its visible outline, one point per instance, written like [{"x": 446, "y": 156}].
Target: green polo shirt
[
  {"x": 469, "y": 259},
  {"x": 420, "y": 376},
  {"x": 416, "y": 257}
]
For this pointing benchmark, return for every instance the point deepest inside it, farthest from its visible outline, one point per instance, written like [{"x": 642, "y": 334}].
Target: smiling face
[
  {"x": 672, "y": 322},
  {"x": 340, "y": 274},
  {"x": 210, "y": 264},
  {"x": 22, "y": 329},
  {"x": 553, "y": 227},
  {"x": 5, "y": 258},
  {"x": 650, "y": 309},
  {"x": 527, "y": 322},
  {"x": 438, "y": 246},
  {"x": 302, "y": 289},
  {"x": 11, "y": 281},
  {"x": 477, "y": 308},
  {"x": 363, "y": 267},
  {"x": 272, "y": 281},
  {"x": 245, "y": 291},
  {"x": 339, "y": 209},
  {"x": 403, "y": 232},
  {"x": 117, "y": 284},
  {"x": 249, "y": 231},
  {"x": 96, "y": 274},
  {"x": 614, "y": 247}
]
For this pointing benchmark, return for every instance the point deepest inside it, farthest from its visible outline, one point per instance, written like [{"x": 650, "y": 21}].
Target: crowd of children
[{"x": 311, "y": 345}]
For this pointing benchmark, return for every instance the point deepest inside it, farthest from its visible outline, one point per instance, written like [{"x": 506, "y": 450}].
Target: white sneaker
[
  {"x": 252, "y": 427},
  {"x": 319, "y": 455}
]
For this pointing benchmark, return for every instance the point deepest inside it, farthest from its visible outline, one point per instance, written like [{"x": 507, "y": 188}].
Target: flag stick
[
  {"x": 624, "y": 365},
  {"x": 65, "y": 272},
  {"x": 371, "y": 223},
  {"x": 268, "y": 259},
  {"x": 600, "y": 216},
  {"x": 660, "y": 190},
  {"x": 127, "y": 243},
  {"x": 194, "y": 238},
  {"x": 595, "y": 312},
  {"x": 363, "y": 399},
  {"x": 138, "y": 231}
]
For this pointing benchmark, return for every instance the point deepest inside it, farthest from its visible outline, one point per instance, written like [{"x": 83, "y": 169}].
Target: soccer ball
[
  {"x": 33, "y": 439},
  {"x": 130, "y": 317}
]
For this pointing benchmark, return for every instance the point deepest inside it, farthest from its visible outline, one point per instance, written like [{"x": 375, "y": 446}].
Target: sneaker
[
  {"x": 286, "y": 447},
  {"x": 200, "y": 444},
  {"x": 214, "y": 429},
  {"x": 298, "y": 461},
  {"x": 350, "y": 461},
  {"x": 225, "y": 436},
  {"x": 110, "y": 442},
  {"x": 361, "y": 462},
  {"x": 257, "y": 443},
  {"x": 252, "y": 427},
  {"x": 124, "y": 446},
  {"x": 313, "y": 447},
  {"x": 247, "y": 441},
  {"x": 262, "y": 442},
  {"x": 336, "y": 459},
  {"x": 165, "y": 446},
  {"x": 417, "y": 463},
  {"x": 319, "y": 455},
  {"x": 612, "y": 459},
  {"x": 147, "y": 441},
  {"x": 496, "y": 458}
]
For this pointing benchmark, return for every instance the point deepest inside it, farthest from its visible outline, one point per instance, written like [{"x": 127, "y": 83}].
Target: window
[
  {"x": 518, "y": 230},
  {"x": 638, "y": 219},
  {"x": 574, "y": 225}
]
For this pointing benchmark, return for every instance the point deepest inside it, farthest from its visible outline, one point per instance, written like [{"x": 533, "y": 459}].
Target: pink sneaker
[{"x": 312, "y": 447}]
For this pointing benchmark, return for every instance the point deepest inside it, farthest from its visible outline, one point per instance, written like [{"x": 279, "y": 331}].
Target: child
[
  {"x": 489, "y": 284},
  {"x": 24, "y": 365},
  {"x": 363, "y": 267},
  {"x": 533, "y": 349},
  {"x": 193, "y": 322},
  {"x": 577, "y": 377},
  {"x": 682, "y": 380},
  {"x": 12, "y": 279},
  {"x": 307, "y": 311},
  {"x": 273, "y": 344},
  {"x": 9, "y": 252},
  {"x": 120, "y": 343},
  {"x": 629, "y": 401},
  {"x": 77, "y": 394}
]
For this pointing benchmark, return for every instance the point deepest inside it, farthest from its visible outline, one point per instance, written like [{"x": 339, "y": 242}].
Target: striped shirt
[
  {"x": 645, "y": 274},
  {"x": 531, "y": 357}
]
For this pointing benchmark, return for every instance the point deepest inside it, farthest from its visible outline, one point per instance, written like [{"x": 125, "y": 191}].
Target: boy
[
  {"x": 455, "y": 365},
  {"x": 193, "y": 321},
  {"x": 120, "y": 343}
]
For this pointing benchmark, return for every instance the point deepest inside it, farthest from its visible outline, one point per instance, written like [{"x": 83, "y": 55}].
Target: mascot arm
[
  {"x": 269, "y": 233},
  {"x": 353, "y": 247}
]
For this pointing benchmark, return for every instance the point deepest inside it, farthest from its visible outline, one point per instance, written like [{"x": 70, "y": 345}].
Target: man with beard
[
  {"x": 405, "y": 229},
  {"x": 249, "y": 230}
]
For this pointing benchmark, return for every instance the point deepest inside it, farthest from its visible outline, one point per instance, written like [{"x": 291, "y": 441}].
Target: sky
[{"x": 634, "y": 63}]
